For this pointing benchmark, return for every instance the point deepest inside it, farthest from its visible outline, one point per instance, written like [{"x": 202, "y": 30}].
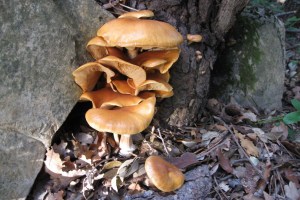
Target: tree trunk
[{"x": 190, "y": 77}]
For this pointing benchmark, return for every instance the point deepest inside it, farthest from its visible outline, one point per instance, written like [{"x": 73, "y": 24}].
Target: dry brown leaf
[
  {"x": 247, "y": 144},
  {"x": 54, "y": 166},
  {"x": 185, "y": 160},
  {"x": 280, "y": 132},
  {"x": 248, "y": 177},
  {"x": 292, "y": 176},
  {"x": 224, "y": 161},
  {"x": 134, "y": 188}
]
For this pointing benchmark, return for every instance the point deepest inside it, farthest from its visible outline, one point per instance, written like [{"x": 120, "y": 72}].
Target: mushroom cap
[
  {"x": 155, "y": 81},
  {"x": 161, "y": 60},
  {"x": 163, "y": 174},
  {"x": 123, "y": 120},
  {"x": 138, "y": 14},
  {"x": 123, "y": 87},
  {"x": 194, "y": 38},
  {"x": 106, "y": 97},
  {"x": 131, "y": 32},
  {"x": 130, "y": 70},
  {"x": 87, "y": 75},
  {"x": 99, "y": 49}
]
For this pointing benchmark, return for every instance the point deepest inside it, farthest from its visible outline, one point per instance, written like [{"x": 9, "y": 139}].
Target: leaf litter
[{"x": 247, "y": 160}]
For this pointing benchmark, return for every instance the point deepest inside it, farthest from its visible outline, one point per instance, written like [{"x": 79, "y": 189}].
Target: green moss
[
  {"x": 236, "y": 66},
  {"x": 250, "y": 53}
]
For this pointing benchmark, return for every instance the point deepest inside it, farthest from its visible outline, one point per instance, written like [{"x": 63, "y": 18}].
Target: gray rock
[
  {"x": 42, "y": 42},
  {"x": 197, "y": 186},
  {"x": 252, "y": 70}
]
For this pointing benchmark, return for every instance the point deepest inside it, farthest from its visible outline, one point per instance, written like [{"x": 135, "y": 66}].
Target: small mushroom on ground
[
  {"x": 194, "y": 38},
  {"x": 165, "y": 176}
]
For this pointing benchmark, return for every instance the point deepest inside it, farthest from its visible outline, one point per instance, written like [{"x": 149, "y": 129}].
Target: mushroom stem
[
  {"x": 126, "y": 145},
  {"x": 132, "y": 52}
]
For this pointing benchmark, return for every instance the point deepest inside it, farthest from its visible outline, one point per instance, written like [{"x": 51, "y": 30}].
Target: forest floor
[{"x": 250, "y": 155}]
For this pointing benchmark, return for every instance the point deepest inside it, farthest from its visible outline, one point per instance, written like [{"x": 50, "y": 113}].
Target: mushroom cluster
[{"x": 133, "y": 56}]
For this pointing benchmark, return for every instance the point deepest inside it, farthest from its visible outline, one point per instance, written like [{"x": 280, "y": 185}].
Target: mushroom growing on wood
[
  {"x": 87, "y": 75},
  {"x": 193, "y": 38},
  {"x": 99, "y": 49},
  {"x": 163, "y": 174},
  {"x": 161, "y": 60},
  {"x": 131, "y": 32}
]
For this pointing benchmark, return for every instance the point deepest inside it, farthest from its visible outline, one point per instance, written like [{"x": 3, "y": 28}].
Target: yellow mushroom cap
[
  {"x": 87, "y": 75},
  {"x": 123, "y": 120},
  {"x": 131, "y": 32},
  {"x": 194, "y": 38},
  {"x": 130, "y": 70},
  {"x": 99, "y": 49},
  {"x": 161, "y": 60},
  {"x": 163, "y": 174},
  {"x": 138, "y": 14},
  {"x": 106, "y": 97}
]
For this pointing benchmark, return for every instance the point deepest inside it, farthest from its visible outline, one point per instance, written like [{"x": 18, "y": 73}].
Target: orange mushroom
[
  {"x": 120, "y": 114},
  {"x": 130, "y": 70},
  {"x": 87, "y": 75},
  {"x": 165, "y": 176},
  {"x": 161, "y": 60},
  {"x": 133, "y": 33},
  {"x": 99, "y": 49}
]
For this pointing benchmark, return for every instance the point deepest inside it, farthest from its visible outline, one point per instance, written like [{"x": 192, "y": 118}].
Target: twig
[
  {"x": 238, "y": 144},
  {"x": 280, "y": 181},
  {"x": 130, "y": 8},
  {"x": 210, "y": 150},
  {"x": 219, "y": 189},
  {"x": 163, "y": 141},
  {"x": 294, "y": 46},
  {"x": 286, "y": 13}
]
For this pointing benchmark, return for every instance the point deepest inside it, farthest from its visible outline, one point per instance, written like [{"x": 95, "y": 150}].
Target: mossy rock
[{"x": 251, "y": 68}]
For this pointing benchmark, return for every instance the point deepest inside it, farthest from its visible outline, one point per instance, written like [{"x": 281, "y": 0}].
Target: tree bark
[{"x": 190, "y": 77}]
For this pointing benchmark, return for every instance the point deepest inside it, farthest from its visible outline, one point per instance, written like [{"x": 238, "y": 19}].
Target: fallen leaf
[
  {"x": 116, "y": 183},
  {"x": 224, "y": 186},
  {"x": 54, "y": 166},
  {"x": 291, "y": 191},
  {"x": 280, "y": 132},
  {"x": 128, "y": 167},
  {"x": 134, "y": 188},
  {"x": 248, "y": 177},
  {"x": 185, "y": 160},
  {"x": 292, "y": 176},
  {"x": 112, "y": 164},
  {"x": 84, "y": 138},
  {"x": 224, "y": 161},
  {"x": 249, "y": 115},
  {"x": 247, "y": 144},
  {"x": 208, "y": 136}
]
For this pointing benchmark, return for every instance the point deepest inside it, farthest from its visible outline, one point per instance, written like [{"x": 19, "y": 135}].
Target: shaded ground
[{"x": 248, "y": 154}]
